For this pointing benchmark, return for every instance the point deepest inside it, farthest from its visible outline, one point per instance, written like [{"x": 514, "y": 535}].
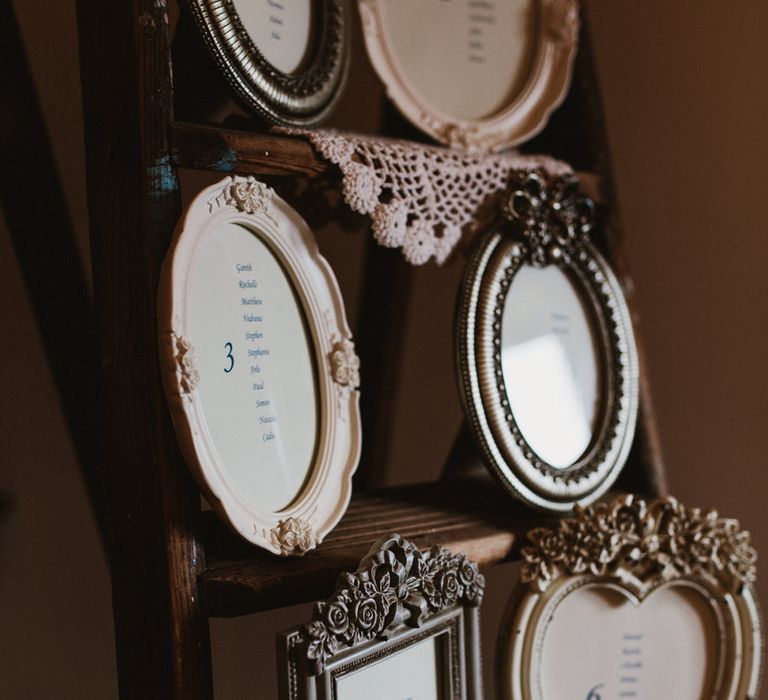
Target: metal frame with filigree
[
  {"x": 636, "y": 548},
  {"x": 555, "y": 30},
  {"x": 397, "y": 597},
  {"x": 545, "y": 221},
  {"x": 303, "y": 98},
  {"x": 324, "y": 497}
]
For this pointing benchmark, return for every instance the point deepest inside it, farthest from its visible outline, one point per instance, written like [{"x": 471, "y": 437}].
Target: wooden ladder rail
[
  {"x": 577, "y": 134},
  {"x": 160, "y": 576},
  {"x": 162, "y": 635}
]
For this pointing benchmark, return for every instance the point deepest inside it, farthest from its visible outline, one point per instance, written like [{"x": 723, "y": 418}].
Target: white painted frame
[
  {"x": 324, "y": 498},
  {"x": 548, "y": 82},
  {"x": 559, "y": 564}
]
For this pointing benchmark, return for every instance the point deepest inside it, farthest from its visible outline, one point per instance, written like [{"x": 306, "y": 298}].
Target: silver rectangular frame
[{"x": 305, "y": 675}]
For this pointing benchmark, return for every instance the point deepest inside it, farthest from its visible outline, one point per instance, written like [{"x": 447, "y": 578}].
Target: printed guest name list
[{"x": 257, "y": 349}]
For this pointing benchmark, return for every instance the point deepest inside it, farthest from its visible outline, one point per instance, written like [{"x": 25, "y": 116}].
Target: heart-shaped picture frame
[{"x": 630, "y": 599}]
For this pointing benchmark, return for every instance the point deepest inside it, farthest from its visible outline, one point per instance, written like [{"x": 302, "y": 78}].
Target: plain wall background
[{"x": 684, "y": 88}]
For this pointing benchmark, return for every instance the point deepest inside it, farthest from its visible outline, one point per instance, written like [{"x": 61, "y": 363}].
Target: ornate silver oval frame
[
  {"x": 303, "y": 98},
  {"x": 556, "y": 29},
  {"x": 398, "y": 596},
  {"x": 325, "y": 494},
  {"x": 636, "y": 549},
  {"x": 545, "y": 223}
]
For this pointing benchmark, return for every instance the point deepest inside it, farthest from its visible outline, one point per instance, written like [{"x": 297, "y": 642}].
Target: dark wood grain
[
  {"x": 230, "y": 150},
  {"x": 45, "y": 245},
  {"x": 162, "y": 637},
  {"x": 471, "y": 516}
]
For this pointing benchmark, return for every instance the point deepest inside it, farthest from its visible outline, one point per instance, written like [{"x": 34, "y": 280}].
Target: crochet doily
[{"x": 420, "y": 198}]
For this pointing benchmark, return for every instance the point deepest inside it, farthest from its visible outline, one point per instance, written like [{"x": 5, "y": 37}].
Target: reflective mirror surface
[
  {"x": 466, "y": 59},
  {"x": 257, "y": 374},
  {"x": 551, "y": 364},
  {"x": 281, "y": 31},
  {"x": 600, "y": 642}
]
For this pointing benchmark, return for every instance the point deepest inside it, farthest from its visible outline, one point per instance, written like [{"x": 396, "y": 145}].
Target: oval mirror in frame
[
  {"x": 477, "y": 75},
  {"x": 286, "y": 61},
  {"x": 547, "y": 363},
  {"x": 259, "y": 367}
]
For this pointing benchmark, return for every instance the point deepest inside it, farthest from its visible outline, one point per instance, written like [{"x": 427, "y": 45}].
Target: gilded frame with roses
[
  {"x": 398, "y": 596},
  {"x": 635, "y": 548}
]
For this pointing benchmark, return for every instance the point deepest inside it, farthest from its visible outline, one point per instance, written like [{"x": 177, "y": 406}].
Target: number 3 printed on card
[{"x": 230, "y": 357}]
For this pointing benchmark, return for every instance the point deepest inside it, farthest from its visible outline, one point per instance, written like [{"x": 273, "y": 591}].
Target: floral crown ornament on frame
[
  {"x": 554, "y": 221},
  {"x": 400, "y": 604},
  {"x": 651, "y": 542},
  {"x": 635, "y": 552},
  {"x": 396, "y": 584},
  {"x": 544, "y": 222},
  {"x": 420, "y": 199}
]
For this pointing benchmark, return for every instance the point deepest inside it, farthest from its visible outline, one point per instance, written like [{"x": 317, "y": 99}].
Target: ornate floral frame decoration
[
  {"x": 557, "y": 30},
  {"x": 323, "y": 499},
  {"x": 398, "y": 596},
  {"x": 301, "y": 99},
  {"x": 637, "y": 548},
  {"x": 545, "y": 222}
]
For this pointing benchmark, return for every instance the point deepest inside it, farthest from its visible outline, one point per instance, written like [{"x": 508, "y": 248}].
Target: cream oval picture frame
[
  {"x": 557, "y": 30},
  {"x": 325, "y": 494},
  {"x": 636, "y": 549},
  {"x": 545, "y": 222}
]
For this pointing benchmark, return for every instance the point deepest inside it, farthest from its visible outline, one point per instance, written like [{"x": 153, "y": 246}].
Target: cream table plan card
[
  {"x": 477, "y": 74},
  {"x": 547, "y": 363},
  {"x": 259, "y": 367},
  {"x": 286, "y": 60},
  {"x": 634, "y": 600},
  {"x": 403, "y": 626}
]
